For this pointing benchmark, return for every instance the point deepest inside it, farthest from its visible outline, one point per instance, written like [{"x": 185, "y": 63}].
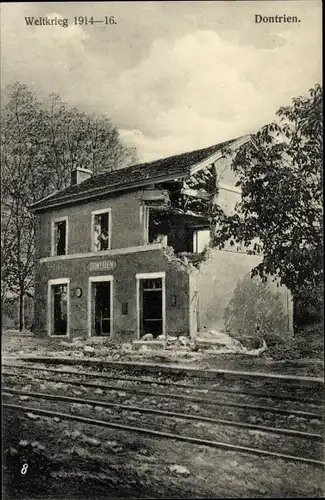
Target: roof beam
[
  {"x": 196, "y": 193},
  {"x": 217, "y": 156}
]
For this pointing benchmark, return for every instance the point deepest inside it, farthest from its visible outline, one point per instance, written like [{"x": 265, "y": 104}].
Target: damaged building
[{"x": 127, "y": 253}]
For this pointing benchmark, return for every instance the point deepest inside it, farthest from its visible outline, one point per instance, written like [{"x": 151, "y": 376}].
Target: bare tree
[
  {"x": 74, "y": 138},
  {"x": 21, "y": 131},
  {"x": 41, "y": 143}
]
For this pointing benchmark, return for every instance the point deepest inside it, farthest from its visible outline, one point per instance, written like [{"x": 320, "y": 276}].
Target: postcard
[{"x": 162, "y": 249}]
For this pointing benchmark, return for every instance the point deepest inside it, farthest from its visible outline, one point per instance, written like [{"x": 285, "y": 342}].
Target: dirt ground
[
  {"x": 71, "y": 460},
  {"x": 15, "y": 345}
]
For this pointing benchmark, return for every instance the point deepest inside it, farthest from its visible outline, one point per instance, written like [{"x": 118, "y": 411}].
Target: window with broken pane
[
  {"x": 60, "y": 238},
  {"x": 101, "y": 232}
]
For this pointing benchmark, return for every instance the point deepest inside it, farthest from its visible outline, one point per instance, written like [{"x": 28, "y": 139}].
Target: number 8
[{"x": 24, "y": 469}]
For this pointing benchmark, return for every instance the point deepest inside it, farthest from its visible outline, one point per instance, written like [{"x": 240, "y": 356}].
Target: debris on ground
[
  {"x": 127, "y": 346},
  {"x": 169, "y": 349},
  {"x": 91, "y": 440},
  {"x": 184, "y": 340},
  {"x": 78, "y": 344},
  {"x": 224, "y": 343},
  {"x": 147, "y": 337},
  {"x": 212, "y": 339},
  {"x": 75, "y": 434},
  {"x": 65, "y": 344},
  {"x": 179, "y": 469},
  {"x": 88, "y": 348},
  {"x": 23, "y": 443},
  {"x": 32, "y": 416},
  {"x": 260, "y": 350},
  {"x": 98, "y": 408}
]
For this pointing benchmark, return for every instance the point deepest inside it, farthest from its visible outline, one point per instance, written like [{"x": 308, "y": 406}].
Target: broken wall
[
  {"x": 179, "y": 235},
  {"x": 225, "y": 174},
  {"x": 194, "y": 305},
  {"x": 228, "y": 297},
  {"x": 228, "y": 193}
]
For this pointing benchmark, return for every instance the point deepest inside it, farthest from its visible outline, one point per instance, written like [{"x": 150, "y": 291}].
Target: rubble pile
[
  {"x": 179, "y": 343},
  {"x": 168, "y": 342},
  {"x": 218, "y": 342},
  {"x": 91, "y": 347},
  {"x": 223, "y": 343},
  {"x": 208, "y": 340}
]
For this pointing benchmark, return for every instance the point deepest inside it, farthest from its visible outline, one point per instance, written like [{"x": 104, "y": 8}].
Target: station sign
[{"x": 102, "y": 265}]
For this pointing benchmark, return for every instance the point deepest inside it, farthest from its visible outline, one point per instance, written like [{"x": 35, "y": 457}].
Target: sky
[{"x": 173, "y": 76}]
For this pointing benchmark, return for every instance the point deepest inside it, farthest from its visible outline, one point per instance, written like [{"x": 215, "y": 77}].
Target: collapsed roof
[{"x": 173, "y": 167}]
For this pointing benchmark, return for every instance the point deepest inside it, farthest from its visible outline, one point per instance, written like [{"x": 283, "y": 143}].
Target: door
[
  {"x": 151, "y": 306},
  {"x": 59, "y": 312},
  {"x": 101, "y": 307}
]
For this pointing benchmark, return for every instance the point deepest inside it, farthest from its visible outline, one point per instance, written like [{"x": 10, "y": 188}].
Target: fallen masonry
[
  {"x": 206, "y": 340},
  {"x": 219, "y": 342}
]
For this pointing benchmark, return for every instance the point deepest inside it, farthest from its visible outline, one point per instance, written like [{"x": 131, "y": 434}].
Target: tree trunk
[{"x": 21, "y": 311}]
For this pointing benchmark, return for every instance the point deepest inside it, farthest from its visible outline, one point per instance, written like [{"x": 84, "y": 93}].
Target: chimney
[{"x": 79, "y": 175}]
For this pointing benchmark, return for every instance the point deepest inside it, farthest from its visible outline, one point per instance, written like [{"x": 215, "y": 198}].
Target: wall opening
[
  {"x": 101, "y": 230},
  {"x": 201, "y": 239},
  {"x": 101, "y": 294},
  {"x": 59, "y": 238},
  {"x": 59, "y": 309},
  {"x": 151, "y": 306},
  {"x": 182, "y": 232}
]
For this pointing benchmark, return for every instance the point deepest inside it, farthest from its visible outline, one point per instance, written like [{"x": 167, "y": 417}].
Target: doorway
[
  {"x": 58, "y": 310},
  {"x": 101, "y": 307},
  {"x": 151, "y": 305}
]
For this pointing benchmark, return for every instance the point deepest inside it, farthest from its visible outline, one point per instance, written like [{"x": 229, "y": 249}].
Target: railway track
[
  {"x": 83, "y": 380},
  {"x": 152, "y": 418},
  {"x": 200, "y": 387},
  {"x": 168, "y": 414},
  {"x": 160, "y": 434},
  {"x": 175, "y": 370}
]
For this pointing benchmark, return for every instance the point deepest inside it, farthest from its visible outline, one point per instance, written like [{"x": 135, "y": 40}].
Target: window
[
  {"x": 156, "y": 228},
  {"x": 60, "y": 236},
  {"x": 201, "y": 239},
  {"x": 101, "y": 230}
]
